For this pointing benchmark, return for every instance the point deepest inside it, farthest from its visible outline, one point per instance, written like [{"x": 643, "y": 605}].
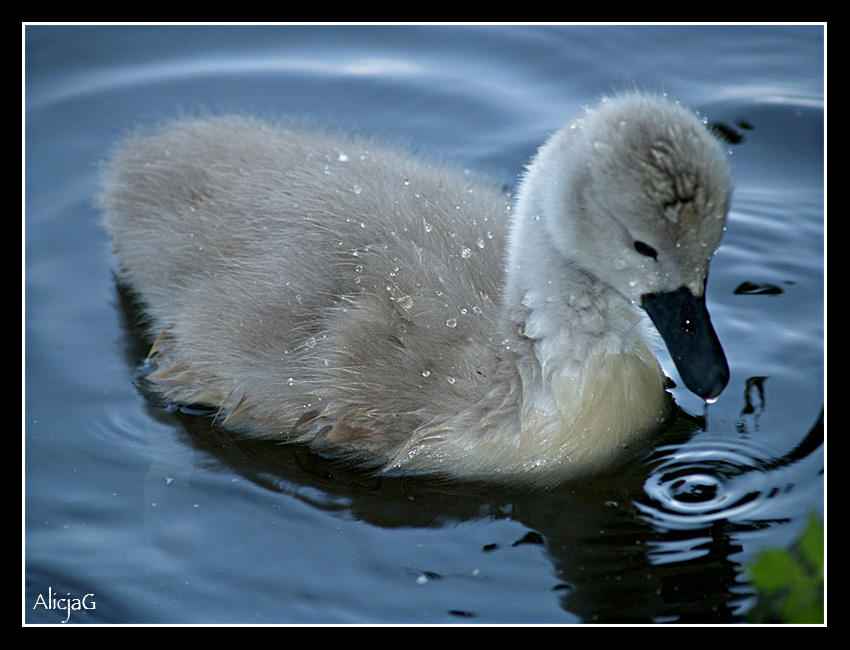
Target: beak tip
[
  {"x": 706, "y": 381},
  {"x": 713, "y": 390}
]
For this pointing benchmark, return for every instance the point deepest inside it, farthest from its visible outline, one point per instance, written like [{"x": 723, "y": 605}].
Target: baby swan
[{"x": 327, "y": 289}]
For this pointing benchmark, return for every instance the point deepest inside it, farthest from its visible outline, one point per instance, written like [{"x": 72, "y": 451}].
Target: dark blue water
[{"x": 164, "y": 520}]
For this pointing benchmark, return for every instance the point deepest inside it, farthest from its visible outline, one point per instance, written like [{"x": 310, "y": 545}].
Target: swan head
[{"x": 635, "y": 193}]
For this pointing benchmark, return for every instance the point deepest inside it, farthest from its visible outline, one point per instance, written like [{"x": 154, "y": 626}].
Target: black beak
[{"x": 684, "y": 324}]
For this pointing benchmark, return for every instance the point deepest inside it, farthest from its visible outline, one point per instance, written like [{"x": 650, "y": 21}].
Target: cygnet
[{"x": 313, "y": 287}]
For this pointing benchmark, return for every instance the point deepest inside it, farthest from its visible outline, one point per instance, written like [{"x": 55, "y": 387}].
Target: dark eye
[{"x": 646, "y": 249}]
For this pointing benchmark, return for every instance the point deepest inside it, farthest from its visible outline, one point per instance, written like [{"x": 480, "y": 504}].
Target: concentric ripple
[{"x": 706, "y": 481}]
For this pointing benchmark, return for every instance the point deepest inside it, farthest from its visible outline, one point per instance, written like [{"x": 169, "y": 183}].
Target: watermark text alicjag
[{"x": 65, "y": 603}]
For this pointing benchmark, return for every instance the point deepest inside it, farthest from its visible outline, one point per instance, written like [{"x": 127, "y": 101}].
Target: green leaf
[{"x": 790, "y": 582}]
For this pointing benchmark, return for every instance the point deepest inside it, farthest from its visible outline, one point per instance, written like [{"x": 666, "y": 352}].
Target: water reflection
[{"x": 658, "y": 543}]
